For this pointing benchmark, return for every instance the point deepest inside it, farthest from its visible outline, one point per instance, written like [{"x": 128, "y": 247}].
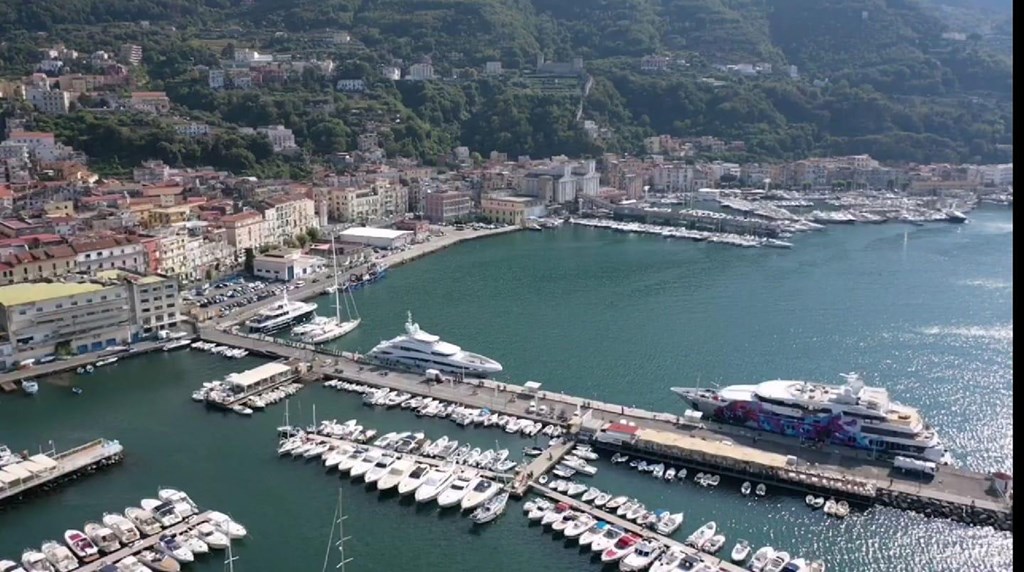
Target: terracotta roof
[
  {"x": 90, "y": 244},
  {"x": 29, "y": 256},
  {"x": 161, "y": 191},
  {"x": 241, "y": 217}
]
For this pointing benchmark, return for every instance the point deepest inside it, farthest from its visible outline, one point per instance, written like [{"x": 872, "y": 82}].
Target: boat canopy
[
  {"x": 7, "y": 479},
  {"x": 18, "y": 470}
]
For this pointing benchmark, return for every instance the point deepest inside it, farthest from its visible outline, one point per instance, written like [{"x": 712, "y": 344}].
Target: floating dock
[
  {"x": 144, "y": 543},
  {"x": 39, "y": 473},
  {"x": 965, "y": 496}
]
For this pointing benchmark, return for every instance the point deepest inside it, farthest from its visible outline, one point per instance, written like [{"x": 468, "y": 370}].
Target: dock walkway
[
  {"x": 92, "y": 454},
  {"x": 144, "y": 543},
  {"x": 578, "y": 505},
  {"x": 539, "y": 466},
  {"x": 10, "y": 381}
]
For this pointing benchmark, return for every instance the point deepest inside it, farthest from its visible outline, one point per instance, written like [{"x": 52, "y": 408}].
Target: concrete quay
[
  {"x": 580, "y": 506},
  {"x": 41, "y": 475},
  {"x": 10, "y": 381},
  {"x": 850, "y": 474},
  {"x": 144, "y": 543}
]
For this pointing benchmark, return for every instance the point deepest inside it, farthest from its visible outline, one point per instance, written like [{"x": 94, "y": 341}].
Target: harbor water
[{"x": 925, "y": 311}]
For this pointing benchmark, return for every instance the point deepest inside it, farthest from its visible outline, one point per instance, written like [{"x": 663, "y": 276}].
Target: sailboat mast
[
  {"x": 337, "y": 306},
  {"x": 339, "y": 523}
]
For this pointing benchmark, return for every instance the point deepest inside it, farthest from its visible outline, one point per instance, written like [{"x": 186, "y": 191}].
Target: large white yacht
[
  {"x": 280, "y": 315},
  {"x": 422, "y": 351},
  {"x": 852, "y": 414}
]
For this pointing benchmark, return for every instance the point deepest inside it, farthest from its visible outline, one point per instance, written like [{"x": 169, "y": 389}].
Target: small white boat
[
  {"x": 623, "y": 547},
  {"x": 636, "y": 512},
  {"x": 412, "y": 479},
  {"x": 777, "y": 561},
  {"x": 592, "y": 533},
  {"x": 163, "y": 512},
  {"x": 59, "y": 556},
  {"x": 183, "y": 504},
  {"x": 102, "y": 537},
  {"x": 568, "y": 518},
  {"x": 761, "y": 558},
  {"x": 818, "y": 502},
  {"x": 379, "y": 469},
  {"x": 575, "y": 489},
  {"x": 669, "y": 561},
  {"x": 740, "y": 552},
  {"x": 670, "y": 474},
  {"x": 713, "y": 480},
  {"x": 761, "y": 490},
  {"x": 171, "y": 547},
  {"x": 192, "y": 542},
  {"x": 229, "y": 527},
  {"x": 491, "y": 509},
  {"x": 714, "y": 544},
  {"x": 84, "y": 549},
  {"x": 830, "y": 507},
  {"x": 796, "y": 565},
  {"x": 143, "y": 520},
  {"x": 211, "y": 536},
  {"x": 479, "y": 492},
  {"x": 436, "y": 481},
  {"x": 607, "y": 539},
  {"x": 130, "y": 564},
  {"x": 642, "y": 557},
  {"x": 616, "y": 502},
  {"x": 816, "y": 566},
  {"x": 366, "y": 463},
  {"x": 158, "y": 561},
  {"x": 457, "y": 490},
  {"x": 126, "y": 532},
  {"x": 590, "y": 494},
  {"x": 579, "y": 526},
  {"x": 602, "y": 499},
  {"x": 540, "y": 507},
  {"x": 554, "y": 514},
  {"x": 842, "y": 509},
  {"x": 669, "y": 523},
  {"x": 702, "y": 535},
  {"x": 31, "y": 561}
]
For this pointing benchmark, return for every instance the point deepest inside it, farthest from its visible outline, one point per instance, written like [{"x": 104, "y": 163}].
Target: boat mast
[
  {"x": 337, "y": 306},
  {"x": 229, "y": 559},
  {"x": 338, "y": 522}
]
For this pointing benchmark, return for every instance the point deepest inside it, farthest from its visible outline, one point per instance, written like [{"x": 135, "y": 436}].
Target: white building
[
  {"x": 51, "y": 66},
  {"x": 109, "y": 253},
  {"x": 192, "y": 129},
  {"x": 376, "y": 237},
  {"x": 351, "y": 85},
  {"x": 49, "y": 101},
  {"x": 391, "y": 73},
  {"x": 420, "y": 72},
  {"x": 281, "y": 138},
  {"x": 154, "y": 302},
  {"x": 216, "y": 79},
  {"x": 286, "y": 216},
  {"x": 68, "y": 317},
  {"x": 41, "y": 146},
  {"x": 286, "y": 265},
  {"x": 998, "y": 175},
  {"x": 492, "y": 68}
]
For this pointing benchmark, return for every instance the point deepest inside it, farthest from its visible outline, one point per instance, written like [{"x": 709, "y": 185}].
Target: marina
[
  {"x": 799, "y": 527},
  {"x": 24, "y": 476}
]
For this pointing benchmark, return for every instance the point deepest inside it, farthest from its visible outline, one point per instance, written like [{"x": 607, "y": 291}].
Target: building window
[
  {"x": 104, "y": 297},
  {"x": 59, "y": 305}
]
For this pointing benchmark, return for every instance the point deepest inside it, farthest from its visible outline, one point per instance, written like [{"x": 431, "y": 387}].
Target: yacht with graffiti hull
[
  {"x": 851, "y": 414},
  {"x": 422, "y": 351}
]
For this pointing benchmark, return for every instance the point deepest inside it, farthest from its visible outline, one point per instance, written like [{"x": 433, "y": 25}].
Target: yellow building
[
  {"x": 166, "y": 216},
  {"x": 512, "y": 210}
]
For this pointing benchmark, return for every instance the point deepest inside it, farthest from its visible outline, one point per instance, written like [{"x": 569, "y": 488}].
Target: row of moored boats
[
  {"x": 153, "y": 517},
  {"x": 218, "y": 391},
  {"x": 226, "y": 351},
  {"x": 463, "y": 416}
]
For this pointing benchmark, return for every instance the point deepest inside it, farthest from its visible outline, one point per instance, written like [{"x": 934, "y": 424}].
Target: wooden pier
[
  {"x": 539, "y": 466},
  {"x": 42, "y": 472},
  {"x": 580, "y": 506},
  {"x": 957, "y": 494},
  {"x": 144, "y": 543}
]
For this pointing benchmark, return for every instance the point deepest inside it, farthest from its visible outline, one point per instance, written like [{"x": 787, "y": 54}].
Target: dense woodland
[{"x": 876, "y": 77}]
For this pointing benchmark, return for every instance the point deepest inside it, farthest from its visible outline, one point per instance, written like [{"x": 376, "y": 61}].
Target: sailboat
[
  {"x": 336, "y": 328},
  {"x": 337, "y": 523}
]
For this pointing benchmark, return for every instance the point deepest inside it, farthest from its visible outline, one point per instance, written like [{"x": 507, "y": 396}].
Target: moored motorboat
[
  {"x": 590, "y": 494},
  {"x": 607, "y": 539},
  {"x": 796, "y": 565},
  {"x": 59, "y": 556},
  {"x": 740, "y": 552},
  {"x": 568, "y": 518},
  {"x": 777, "y": 561},
  {"x": 225, "y": 524},
  {"x": 213, "y": 537},
  {"x": 761, "y": 490},
  {"x": 714, "y": 544},
  {"x": 183, "y": 504},
  {"x": 158, "y": 561},
  {"x": 103, "y": 537},
  {"x": 554, "y": 514},
  {"x": 540, "y": 507},
  {"x": 641, "y": 557},
  {"x": 602, "y": 499},
  {"x": 435, "y": 481},
  {"x": 193, "y": 543},
  {"x": 479, "y": 492},
  {"x": 35, "y": 561},
  {"x": 130, "y": 564},
  {"x": 616, "y": 502},
  {"x": 163, "y": 512},
  {"x": 378, "y": 470},
  {"x": 623, "y": 547},
  {"x": 457, "y": 490},
  {"x": 84, "y": 549},
  {"x": 668, "y": 523},
  {"x": 579, "y": 526},
  {"x": 702, "y": 535},
  {"x": 142, "y": 519},
  {"x": 168, "y": 545},
  {"x": 592, "y": 533},
  {"x": 491, "y": 509},
  {"x": 668, "y": 561},
  {"x": 10, "y": 566},
  {"x": 761, "y": 558},
  {"x": 395, "y": 474}
]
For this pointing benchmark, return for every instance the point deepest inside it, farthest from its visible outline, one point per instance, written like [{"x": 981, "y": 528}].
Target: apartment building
[
  {"x": 379, "y": 199},
  {"x": 244, "y": 230},
  {"x": 94, "y": 254},
  {"x": 34, "y": 265},
  {"x": 285, "y": 216},
  {"x": 281, "y": 138},
  {"x": 446, "y": 207},
  {"x": 154, "y": 302},
  {"x": 150, "y": 101},
  {"x": 512, "y": 210},
  {"x": 49, "y": 101}
]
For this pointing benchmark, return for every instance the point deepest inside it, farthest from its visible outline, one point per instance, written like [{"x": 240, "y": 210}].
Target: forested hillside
[{"x": 874, "y": 76}]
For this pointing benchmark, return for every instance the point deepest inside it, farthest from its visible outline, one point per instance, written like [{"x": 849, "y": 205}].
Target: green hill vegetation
[{"x": 875, "y": 76}]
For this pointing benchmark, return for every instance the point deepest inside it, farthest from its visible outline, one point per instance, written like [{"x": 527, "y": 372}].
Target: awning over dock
[
  {"x": 669, "y": 442},
  {"x": 7, "y": 479},
  {"x": 19, "y": 471},
  {"x": 43, "y": 461}
]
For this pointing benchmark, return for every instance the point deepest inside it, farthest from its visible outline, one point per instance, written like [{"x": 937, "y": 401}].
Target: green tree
[
  {"x": 302, "y": 239},
  {"x": 250, "y": 261},
  {"x": 313, "y": 233}
]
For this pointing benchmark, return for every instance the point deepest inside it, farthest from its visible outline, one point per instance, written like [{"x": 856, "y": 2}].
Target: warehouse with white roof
[{"x": 377, "y": 237}]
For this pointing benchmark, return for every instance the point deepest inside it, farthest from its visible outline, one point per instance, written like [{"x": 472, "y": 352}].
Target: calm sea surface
[{"x": 925, "y": 311}]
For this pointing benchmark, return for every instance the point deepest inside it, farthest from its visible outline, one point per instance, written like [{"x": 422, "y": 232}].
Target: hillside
[{"x": 885, "y": 80}]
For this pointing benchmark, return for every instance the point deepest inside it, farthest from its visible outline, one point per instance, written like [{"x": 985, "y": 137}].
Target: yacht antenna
[
  {"x": 338, "y": 522},
  {"x": 229, "y": 559}
]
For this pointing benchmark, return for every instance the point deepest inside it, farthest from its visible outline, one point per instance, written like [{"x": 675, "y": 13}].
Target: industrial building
[
  {"x": 286, "y": 265},
  {"x": 377, "y": 237}
]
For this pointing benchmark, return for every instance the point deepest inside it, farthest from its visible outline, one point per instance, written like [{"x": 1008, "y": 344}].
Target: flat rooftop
[
  {"x": 30, "y": 292},
  {"x": 256, "y": 375},
  {"x": 369, "y": 232}
]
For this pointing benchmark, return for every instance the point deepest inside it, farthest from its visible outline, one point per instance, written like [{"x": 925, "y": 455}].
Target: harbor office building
[
  {"x": 286, "y": 265},
  {"x": 64, "y": 318}
]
